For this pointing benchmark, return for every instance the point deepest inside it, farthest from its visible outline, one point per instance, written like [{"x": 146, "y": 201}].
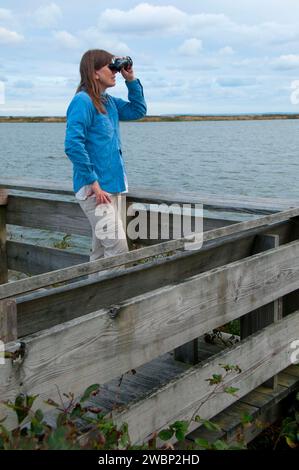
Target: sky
[{"x": 192, "y": 56}]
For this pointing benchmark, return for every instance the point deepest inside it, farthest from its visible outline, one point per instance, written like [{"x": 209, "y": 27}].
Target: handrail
[
  {"x": 228, "y": 203},
  {"x": 46, "y": 279}
]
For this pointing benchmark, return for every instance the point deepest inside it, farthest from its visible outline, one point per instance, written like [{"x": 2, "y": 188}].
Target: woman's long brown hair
[{"x": 91, "y": 61}]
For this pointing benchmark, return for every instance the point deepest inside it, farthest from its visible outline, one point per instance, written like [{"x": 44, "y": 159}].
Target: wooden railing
[{"x": 95, "y": 330}]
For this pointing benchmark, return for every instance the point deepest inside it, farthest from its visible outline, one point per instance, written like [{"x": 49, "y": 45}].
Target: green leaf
[
  {"x": 57, "y": 439},
  {"x": 291, "y": 443},
  {"x": 220, "y": 445},
  {"x": 202, "y": 443},
  {"x": 166, "y": 434},
  {"x": 211, "y": 426},
  {"x": 246, "y": 418},
  {"x": 93, "y": 389},
  {"x": 20, "y": 408},
  {"x": 61, "y": 419},
  {"x": 125, "y": 439},
  {"x": 37, "y": 428},
  {"x": 215, "y": 379},
  {"x": 180, "y": 426},
  {"x": 77, "y": 411},
  {"x": 180, "y": 435},
  {"x": 231, "y": 390},
  {"x": 39, "y": 415},
  {"x": 30, "y": 399}
]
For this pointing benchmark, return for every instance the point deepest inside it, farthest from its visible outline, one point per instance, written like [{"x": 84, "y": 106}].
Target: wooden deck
[{"x": 72, "y": 325}]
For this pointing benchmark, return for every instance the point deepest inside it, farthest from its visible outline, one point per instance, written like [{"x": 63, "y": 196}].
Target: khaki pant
[{"x": 108, "y": 235}]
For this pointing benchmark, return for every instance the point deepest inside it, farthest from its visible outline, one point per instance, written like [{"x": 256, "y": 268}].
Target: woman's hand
[
  {"x": 101, "y": 196},
  {"x": 128, "y": 74}
]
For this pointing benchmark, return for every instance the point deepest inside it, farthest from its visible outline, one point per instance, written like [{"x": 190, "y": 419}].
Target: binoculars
[{"x": 120, "y": 62}]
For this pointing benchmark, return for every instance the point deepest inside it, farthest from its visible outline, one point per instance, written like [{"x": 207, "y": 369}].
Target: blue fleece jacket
[{"x": 92, "y": 140}]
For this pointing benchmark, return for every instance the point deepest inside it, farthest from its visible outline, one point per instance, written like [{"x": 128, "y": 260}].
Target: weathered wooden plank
[
  {"x": 67, "y": 216},
  {"x": 157, "y": 228},
  {"x": 8, "y": 320},
  {"x": 145, "y": 195},
  {"x": 207, "y": 236},
  {"x": 37, "y": 185},
  {"x": 272, "y": 344},
  {"x": 47, "y": 214},
  {"x": 267, "y": 314},
  {"x": 42, "y": 310},
  {"x": 266, "y": 220},
  {"x": 3, "y": 242},
  {"x": 154, "y": 323},
  {"x": 228, "y": 203},
  {"x": 34, "y": 260},
  {"x": 230, "y": 421},
  {"x": 270, "y": 405},
  {"x": 68, "y": 273}
]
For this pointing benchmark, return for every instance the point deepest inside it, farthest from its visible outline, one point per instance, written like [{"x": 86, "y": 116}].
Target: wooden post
[
  {"x": 267, "y": 314},
  {"x": 8, "y": 320},
  {"x": 3, "y": 252}
]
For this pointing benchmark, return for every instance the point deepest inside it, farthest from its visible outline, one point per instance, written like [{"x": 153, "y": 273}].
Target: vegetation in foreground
[{"x": 79, "y": 424}]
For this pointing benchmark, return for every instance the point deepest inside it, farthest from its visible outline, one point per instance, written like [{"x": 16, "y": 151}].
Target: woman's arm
[{"x": 135, "y": 108}]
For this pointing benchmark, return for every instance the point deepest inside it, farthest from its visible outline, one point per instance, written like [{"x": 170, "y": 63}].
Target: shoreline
[{"x": 166, "y": 118}]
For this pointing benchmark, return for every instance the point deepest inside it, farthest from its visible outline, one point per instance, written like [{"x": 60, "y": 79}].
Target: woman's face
[{"x": 106, "y": 77}]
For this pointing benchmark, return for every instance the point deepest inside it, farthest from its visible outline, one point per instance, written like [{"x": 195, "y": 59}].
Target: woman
[{"x": 93, "y": 145}]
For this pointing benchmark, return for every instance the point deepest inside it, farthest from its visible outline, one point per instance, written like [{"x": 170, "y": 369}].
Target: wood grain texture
[
  {"x": 8, "y": 320},
  {"x": 35, "y": 260},
  {"x": 39, "y": 310},
  {"x": 83, "y": 269},
  {"x": 260, "y": 356},
  {"x": 230, "y": 203},
  {"x": 128, "y": 335},
  {"x": 47, "y": 214}
]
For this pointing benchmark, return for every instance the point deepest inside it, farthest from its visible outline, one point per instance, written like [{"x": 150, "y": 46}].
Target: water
[{"x": 252, "y": 158}]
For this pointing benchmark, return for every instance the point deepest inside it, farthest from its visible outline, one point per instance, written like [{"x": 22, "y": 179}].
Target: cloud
[
  {"x": 234, "y": 82},
  {"x": 47, "y": 16},
  {"x": 5, "y": 14},
  {"x": 286, "y": 62},
  {"x": 190, "y": 47},
  {"x": 24, "y": 84},
  {"x": 146, "y": 19},
  {"x": 92, "y": 36},
  {"x": 227, "y": 50},
  {"x": 66, "y": 39},
  {"x": 10, "y": 37},
  {"x": 143, "y": 18}
]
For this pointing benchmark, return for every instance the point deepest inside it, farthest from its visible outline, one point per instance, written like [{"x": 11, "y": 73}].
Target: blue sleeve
[
  {"x": 135, "y": 108},
  {"x": 79, "y": 118}
]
